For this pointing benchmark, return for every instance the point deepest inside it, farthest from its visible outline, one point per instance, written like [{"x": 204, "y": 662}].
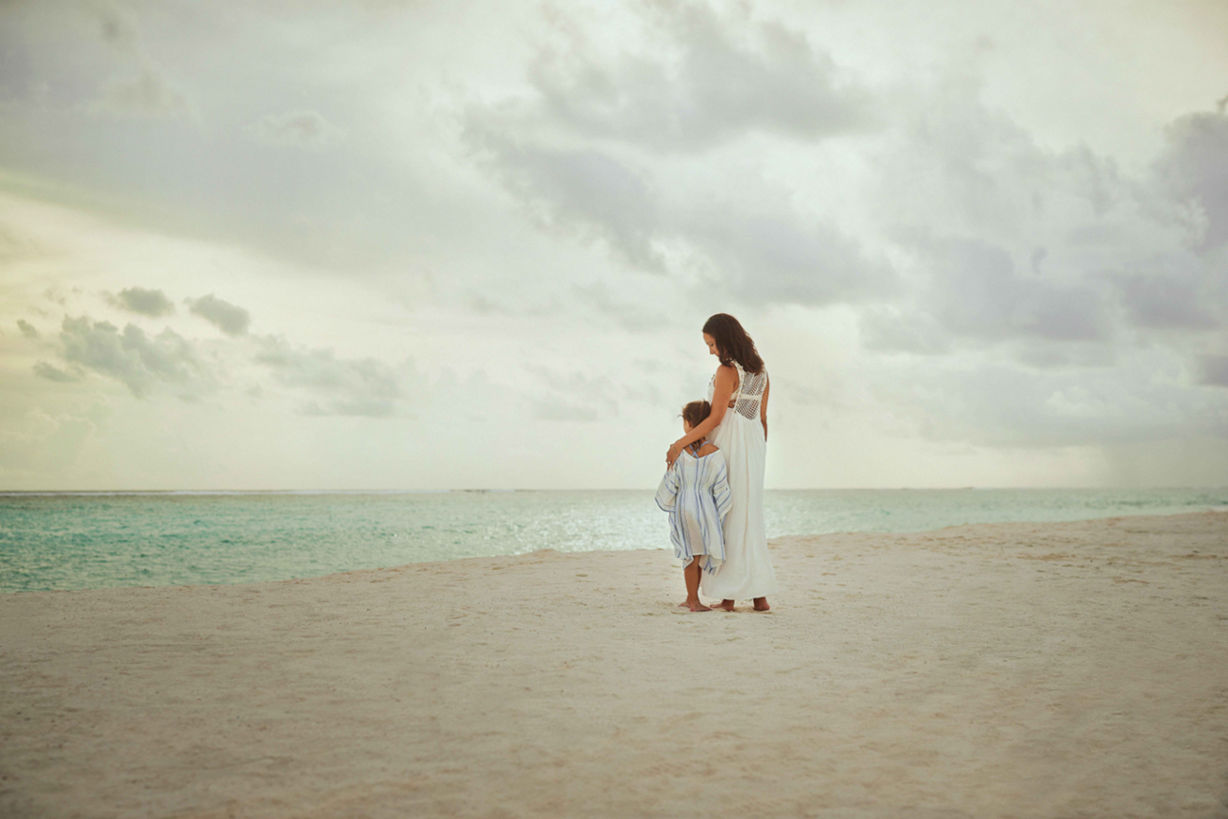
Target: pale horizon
[
  {"x": 497, "y": 490},
  {"x": 393, "y": 244}
]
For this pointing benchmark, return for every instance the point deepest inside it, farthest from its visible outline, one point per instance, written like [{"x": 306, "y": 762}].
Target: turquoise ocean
[{"x": 60, "y": 541}]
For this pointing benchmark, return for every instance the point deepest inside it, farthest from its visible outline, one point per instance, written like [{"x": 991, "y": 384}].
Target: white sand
[{"x": 996, "y": 670}]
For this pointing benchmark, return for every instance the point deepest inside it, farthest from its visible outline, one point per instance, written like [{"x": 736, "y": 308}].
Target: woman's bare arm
[
  {"x": 726, "y": 381},
  {"x": 763, "y": 406}
]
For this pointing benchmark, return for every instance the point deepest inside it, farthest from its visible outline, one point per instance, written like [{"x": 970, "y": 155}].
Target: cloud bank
[{"x": 948, "y": 235}]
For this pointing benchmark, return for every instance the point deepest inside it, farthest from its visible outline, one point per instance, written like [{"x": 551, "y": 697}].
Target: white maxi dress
[{"x": 747, "y": 571}]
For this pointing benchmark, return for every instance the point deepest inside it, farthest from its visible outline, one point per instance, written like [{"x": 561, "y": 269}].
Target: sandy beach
[{"x": 1074, "y": 669}]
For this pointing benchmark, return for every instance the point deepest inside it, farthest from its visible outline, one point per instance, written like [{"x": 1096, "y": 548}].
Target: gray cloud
[
  {"x": 1049, "y": 354},
  {"x": 576, "y": 190},
  {"x": 131, "y": 357},
  {"x": 58, "y": 296},
  {"x": 142, "y": 89},
  {"x": 1058, "y": 258},
  {"x": 323, "y": 383},
  {"x": 190, "y": 175},
  {"x": 974, "y": 289},
  {"x": 994, "y": 403},
  {"x": 27, "y": 329},
  {"x": 892, "y": 329},
  {"x": 779, "y": 258},
  {"x": 229, "y": 318},
  {"x": 302, "y": 128},
  {"x": 631, "y": 313},
  {"x": 564, "y": 409},
  {"x": 1213, "y": 370},
  {"x": 117, "y": 29},
  {"x": 366, "y": 408},
  {"x": 758, "y": 257},
  {"x": 1165, "y": 301},
  {"x": 699, "y": 82},
  {"x": 151, "y": 303},
  {"x": 579, "y": 395},
  {"x": 336, "y": 386},
  {"x": 713, "y": 80},
  {"x": 72, "y": 61},
  {"x": 586, "y": 158},
  {"x": 575, "y": 383},
  {"x": 1194, "y": 167},
  {"x": 44, "y": 370}
]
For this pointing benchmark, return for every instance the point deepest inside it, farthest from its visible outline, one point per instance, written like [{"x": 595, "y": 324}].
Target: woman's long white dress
[{"x": 747, "y": 571}]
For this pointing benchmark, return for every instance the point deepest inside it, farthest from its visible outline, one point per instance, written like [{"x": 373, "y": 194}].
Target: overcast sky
[{"x": 415, "y": 245}]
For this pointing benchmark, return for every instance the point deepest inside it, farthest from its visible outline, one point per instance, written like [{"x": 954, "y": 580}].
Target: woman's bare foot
[
  {"x": 695, "y": 606},
  {"x": 761, "y": 604},
  {"x": 724, "y": 605}
]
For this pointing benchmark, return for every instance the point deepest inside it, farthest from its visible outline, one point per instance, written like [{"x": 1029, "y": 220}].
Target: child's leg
[{"x": 690, "y": 575}]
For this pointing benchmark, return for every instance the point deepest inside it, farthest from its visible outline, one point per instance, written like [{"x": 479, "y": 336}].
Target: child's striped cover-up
[{"x": 695, "y": 492}]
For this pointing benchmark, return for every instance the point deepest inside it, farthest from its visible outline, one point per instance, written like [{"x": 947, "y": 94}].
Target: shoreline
[
  {"x": 1003, "y": 669},
  {"x": 663, "y": 547}
]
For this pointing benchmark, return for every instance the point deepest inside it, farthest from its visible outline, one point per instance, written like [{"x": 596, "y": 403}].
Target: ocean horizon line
[{"x": 496, "y": 490}]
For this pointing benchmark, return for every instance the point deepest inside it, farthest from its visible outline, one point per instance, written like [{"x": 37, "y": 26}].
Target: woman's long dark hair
[{"x": 733, "y": 343}]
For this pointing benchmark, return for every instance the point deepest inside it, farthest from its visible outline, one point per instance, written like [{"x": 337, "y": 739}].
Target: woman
[{"x": 738, "y": 426}]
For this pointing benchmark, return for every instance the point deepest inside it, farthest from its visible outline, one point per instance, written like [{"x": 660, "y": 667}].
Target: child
[{"x": 695, "y": 492}]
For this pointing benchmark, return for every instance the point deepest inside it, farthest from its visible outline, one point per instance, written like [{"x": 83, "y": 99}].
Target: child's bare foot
[
  {"x": 761, "y": 604},
  {"x": 696, "y": 606},
  {"x": 724, "y": 605}
]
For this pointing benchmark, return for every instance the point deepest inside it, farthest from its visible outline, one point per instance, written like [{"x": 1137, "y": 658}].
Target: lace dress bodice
[{"x": 748, "y": 395}]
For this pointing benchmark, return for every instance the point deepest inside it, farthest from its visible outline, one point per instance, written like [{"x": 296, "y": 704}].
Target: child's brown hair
[{"x": 695, "y": 412}]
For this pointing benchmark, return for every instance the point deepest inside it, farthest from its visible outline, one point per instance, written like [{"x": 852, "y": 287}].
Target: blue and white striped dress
[{"x": 695, "y": 492}]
